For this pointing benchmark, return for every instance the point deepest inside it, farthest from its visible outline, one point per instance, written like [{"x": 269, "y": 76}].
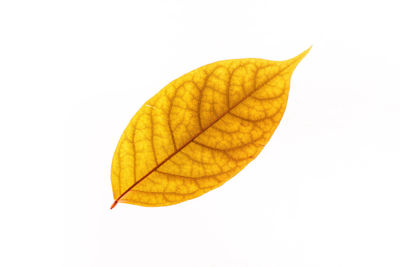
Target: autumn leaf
[{"x": 200, "y": 130}]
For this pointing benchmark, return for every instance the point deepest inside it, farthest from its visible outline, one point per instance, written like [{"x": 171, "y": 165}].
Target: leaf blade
[{"x": 200, "y": 130}]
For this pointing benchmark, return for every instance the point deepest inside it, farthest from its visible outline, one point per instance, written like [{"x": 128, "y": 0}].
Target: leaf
[{"x": 200, "y": 130}]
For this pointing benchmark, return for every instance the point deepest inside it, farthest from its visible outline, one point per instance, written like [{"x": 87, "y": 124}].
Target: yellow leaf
[{"x": 200, "y": 130}]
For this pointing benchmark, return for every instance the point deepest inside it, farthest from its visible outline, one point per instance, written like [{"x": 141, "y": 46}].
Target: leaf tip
[
  {"x": 299, "y": 57},
  {"x": 296, "y": 60}
]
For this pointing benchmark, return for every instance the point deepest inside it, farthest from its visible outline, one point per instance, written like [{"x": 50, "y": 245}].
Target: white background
[{"x": 324, "y": 192}]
